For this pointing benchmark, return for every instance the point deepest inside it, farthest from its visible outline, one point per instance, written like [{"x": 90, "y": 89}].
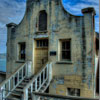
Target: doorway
[{"x": 41, "y": 53}]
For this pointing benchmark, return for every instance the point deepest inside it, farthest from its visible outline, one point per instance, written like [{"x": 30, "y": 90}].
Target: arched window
[{"x": 42, "y": 20}]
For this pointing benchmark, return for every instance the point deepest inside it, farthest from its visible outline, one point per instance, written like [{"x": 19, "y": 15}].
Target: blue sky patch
[{"x": 13, "y": 11}]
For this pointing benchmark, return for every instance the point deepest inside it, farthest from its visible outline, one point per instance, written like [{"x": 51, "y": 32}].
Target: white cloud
[
  {"x": 92, "y": 1},
  {"x": 11, "y": 8},
  {"x": 77, "y": 7},
  {"x": 13, "y": 11},
  {"x": 10, "y": 11}
]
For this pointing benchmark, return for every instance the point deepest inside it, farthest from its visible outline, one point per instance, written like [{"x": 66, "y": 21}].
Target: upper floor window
[{"x": 42, "y": 20}]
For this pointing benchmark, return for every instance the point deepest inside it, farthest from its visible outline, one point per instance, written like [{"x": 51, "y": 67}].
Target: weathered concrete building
[{"x": 50, "y": 34}]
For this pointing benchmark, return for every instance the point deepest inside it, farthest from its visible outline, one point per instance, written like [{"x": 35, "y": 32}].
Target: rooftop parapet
[
  {"x": 11, "y": 24},
  {"x": 89, "y": 10}
]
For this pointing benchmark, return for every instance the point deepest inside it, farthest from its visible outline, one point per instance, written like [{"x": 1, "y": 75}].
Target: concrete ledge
[
  {"x": 20, "y": 61},
  {"x": 11, "y": 24},
  {"x": 64, "y": 62},
  {"x": 62, "y": 97},
  {"x": 39, "y": 32}
]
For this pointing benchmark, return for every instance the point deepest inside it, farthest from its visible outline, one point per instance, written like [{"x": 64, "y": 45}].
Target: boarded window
[
  {"x": 22, "y": 47},
  {"x": 66, "y": 50},
  {"x": 73, "y": 92},
  {"x": 42, "y": 21},
  {"x": 42, "y": 43}
]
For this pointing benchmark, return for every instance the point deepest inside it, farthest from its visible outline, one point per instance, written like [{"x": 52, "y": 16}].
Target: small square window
[{"x": 73, "y": 92}]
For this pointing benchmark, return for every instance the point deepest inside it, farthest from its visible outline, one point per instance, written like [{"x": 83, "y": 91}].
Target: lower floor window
[
  {"x": 73, "y": 92},
  {"x": 22, "y": 53},
  {"x": 66, "y": 49}
]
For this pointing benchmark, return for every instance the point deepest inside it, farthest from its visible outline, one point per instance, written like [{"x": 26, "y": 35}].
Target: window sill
[
  {"x": 39, "y": 32},
  {"x": 64, "y": 62},
  {"x": 41, "y": 47},
  {"x": 20, "y": 61}
]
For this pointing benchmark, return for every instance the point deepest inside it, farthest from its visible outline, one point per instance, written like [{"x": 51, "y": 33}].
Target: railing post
[
  {"x": 9, "y": 85},
  {"x": 31, "y": 88},
  {"x": 36, "y": 85},
  {"x": 29, "y": 68},
  {"x": 3, "y": 92},
  {"x": 22, "y": 73},
  {"x": 43, "y": 75},
  {"x": 25, "y": 69},
  {"x": 18, "y": 76},
  {"x": 47, "y": 71},
  {"x": 50, "y": 71},
  {"x": 40, "y": 80},
  {"x": 13, "y": 81},
  {"x": 25, "y": 96},
  {"x": 34, "y": 97}
]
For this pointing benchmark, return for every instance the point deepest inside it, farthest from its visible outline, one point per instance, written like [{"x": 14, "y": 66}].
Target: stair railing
[
  {"x": 45, "y": 75},
  {"x": 14, "y": 80}
]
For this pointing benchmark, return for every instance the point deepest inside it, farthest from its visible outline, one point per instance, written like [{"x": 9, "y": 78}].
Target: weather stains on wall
[{"x": 56, "y": 25}]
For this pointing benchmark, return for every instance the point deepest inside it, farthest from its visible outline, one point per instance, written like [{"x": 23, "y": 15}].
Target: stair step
[
  {"x": 19, "y": 90},
  {"x": 12, "y": 98},
  {"x": 40, "y": 91},
  {"x": 29, "y": 78},
  {"x": 16, "y": 94},
  {"x": 26, "y": 80},
  {"x": 23, "y": 83},
  {"x": 43, "y": 87},
  {"x": 20, "y": 86}
]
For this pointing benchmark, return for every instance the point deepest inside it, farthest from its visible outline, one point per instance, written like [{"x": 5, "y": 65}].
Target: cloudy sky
[{"x": 13, "y": 11}]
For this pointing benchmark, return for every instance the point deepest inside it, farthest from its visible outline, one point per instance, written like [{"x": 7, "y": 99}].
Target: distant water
[{"x": 3, "y": 65}]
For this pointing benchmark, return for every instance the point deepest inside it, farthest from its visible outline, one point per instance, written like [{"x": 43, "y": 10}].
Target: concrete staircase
[
  {"x": 17, "y": 93},
  {"x": 20, "y": 87}
]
